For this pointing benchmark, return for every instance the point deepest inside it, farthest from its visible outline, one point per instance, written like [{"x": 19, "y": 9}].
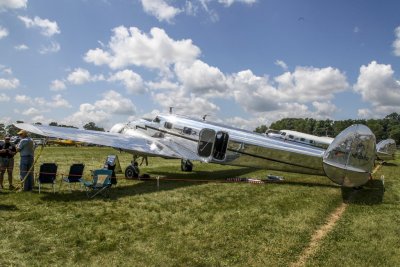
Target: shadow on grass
[
  {"x": 8, "y": 207},
  {"x": 306, "y": 184},
  {"x": 389, "y": 164},
  {"x": 149, "y": 186},
  {"x": 370, "y": 194},
  {"x": 204, "y": 175}
]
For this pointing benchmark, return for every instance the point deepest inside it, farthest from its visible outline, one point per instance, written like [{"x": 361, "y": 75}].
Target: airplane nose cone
[{"x": 349, "y": 159}]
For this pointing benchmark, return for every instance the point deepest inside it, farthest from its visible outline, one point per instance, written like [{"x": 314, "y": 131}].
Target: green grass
[{"x": 185, "y": 223}]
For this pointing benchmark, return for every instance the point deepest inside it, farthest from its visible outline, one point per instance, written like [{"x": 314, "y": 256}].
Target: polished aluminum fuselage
[
  {"x": 347, "y": 161},
  {"x": 243, "y": 148}
]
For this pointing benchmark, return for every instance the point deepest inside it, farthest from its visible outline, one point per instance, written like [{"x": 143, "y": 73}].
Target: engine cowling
[{"x": 349, "y": 159}]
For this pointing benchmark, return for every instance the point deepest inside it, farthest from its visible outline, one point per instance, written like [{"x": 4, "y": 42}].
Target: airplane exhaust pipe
[{"x": 349, "y": 159}]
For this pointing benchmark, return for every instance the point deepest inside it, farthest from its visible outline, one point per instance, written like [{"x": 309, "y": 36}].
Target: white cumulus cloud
[
  {"x": 230, "y": 2},
  {"x": 160, "y": 9},
  {"x": 53, "y": 47},
  {"x": 201, "y": 79},
  {"x": 57, "y": 85},
  {"x": 115, "y": 103},
  {"x": 31, "y": 112},
  {"x": 80, "y": 76},
  {"x": 185, "y": 104},
  {"x": 11, "y": 83},
  {"x": 87, "y": 113},
  {"x": 112, "y": 103},
  {"x": 281, "y": 64},
  {"x": 377, "y": 85},
  {"x": 289, "y": 93},
  {"x": 131, "y": 80},
  {"x": 3, "y": 32},
  {"x": 59, "y": 102},
  {"x": 21, "y": 47},
  {"x": 396, "y": 43},
  {"x": 311, "y": 84},
  {"x": 130, "y": 46},
  {"x": 253, "y": 93},
  {"x": 4, "y": 97},
  {"x": 324, "y": 109},
  {"x": 47, "y": 27},
  {"x": 12, "y": 4}
]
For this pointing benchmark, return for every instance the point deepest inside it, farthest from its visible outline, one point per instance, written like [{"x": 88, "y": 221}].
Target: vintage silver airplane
[
  {"x": 348, "y": 161},
  {"x": 385, "y": 149}
]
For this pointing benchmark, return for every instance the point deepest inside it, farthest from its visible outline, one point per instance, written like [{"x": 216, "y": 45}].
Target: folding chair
[
  {"x": 47, "y": 175},
  {"x": 100, "y": 183},
  {"x": 74, "y": 176}
]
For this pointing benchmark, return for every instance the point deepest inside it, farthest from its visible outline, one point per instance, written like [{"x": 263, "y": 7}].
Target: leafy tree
[
  {"x": 2, "y": 130},
  {"x": 382, "y": 128},
  {"x": 92, "y": 126},
  {"x": 261, "y": 129},
  {"x": 377, "y": 128},
  {"x": 67, "y": 126},
  {"x": 395, "y": 134},
  {"x": 53, "y": 123},
  {"x": 12, "y": 130}
]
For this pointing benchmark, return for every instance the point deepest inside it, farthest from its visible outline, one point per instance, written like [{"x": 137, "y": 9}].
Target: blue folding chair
[
  {"x": 75, "y": 175},
  {"x": 47, "y": 175},
  {"x": 100, "y": 183}
]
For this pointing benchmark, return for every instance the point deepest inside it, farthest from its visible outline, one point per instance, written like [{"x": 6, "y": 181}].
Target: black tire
[
  {"x": 131, "y": 172},
  {"x": 186, "y": 165}
]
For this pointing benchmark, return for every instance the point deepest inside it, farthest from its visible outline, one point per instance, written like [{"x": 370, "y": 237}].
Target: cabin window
[
  {"x": 291, "y": 136},
  {"x": 311, "y": 141},
  {"x": 302, "y": 139},
  {"x": 283, "y": 134},
  {"x": 187, "y": 130},
  {"x": 156, "y": 120},
  {"x": 168, "y": 125}
]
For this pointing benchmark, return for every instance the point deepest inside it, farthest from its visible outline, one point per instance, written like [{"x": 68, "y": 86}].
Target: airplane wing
[{"x": 134, "y": 143}]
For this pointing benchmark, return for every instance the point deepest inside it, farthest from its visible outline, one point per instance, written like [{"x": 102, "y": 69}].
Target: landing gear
[
  {"x": 186, "y": 165},
  {"x": 132, "y": 171}
]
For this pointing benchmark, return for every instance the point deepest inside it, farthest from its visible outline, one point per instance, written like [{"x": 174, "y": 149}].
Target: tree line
[{"x": 388, "y": 127}]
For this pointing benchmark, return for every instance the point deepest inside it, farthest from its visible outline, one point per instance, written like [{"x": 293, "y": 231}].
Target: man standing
[
  {"x": 26, "y": 149},
  {"x": 7, "y": 152}
]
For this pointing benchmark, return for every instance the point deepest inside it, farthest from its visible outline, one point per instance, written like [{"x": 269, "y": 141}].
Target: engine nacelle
[
  {"x": 386, "y": 149},
  {"x": 118, "y": 128},
  {"x": 349, "y": 159}
]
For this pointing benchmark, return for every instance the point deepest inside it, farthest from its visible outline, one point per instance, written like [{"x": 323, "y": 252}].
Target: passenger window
[
  {"x": 302, "y": 139},
  {"x": 187, "y": 130},
  {"x": 291, "y": 136},
  {"x": 168, "y": 125}
]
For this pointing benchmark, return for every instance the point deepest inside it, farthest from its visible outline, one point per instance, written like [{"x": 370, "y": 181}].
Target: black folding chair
[
  {"x": 47, "y": 175},
  {"x": 74, "y": 176}
]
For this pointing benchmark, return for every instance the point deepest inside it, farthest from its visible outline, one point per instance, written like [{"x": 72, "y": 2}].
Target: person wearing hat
[
  {"x": 7, "y": 152},
  {"x": 26, "y": 149}
]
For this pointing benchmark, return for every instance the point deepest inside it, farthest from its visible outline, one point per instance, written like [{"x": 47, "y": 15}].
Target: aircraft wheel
[
  {"x": 131, "y": 172},
  {"x": 186, "y": 165}
]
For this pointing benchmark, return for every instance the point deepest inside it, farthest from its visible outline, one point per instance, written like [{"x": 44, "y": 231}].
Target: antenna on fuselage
[
  {"x": 170, "y": 110},
  {"x": 205, "y": 116}
]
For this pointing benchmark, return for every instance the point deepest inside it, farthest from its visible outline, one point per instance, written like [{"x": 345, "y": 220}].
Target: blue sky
[{"x": 243, "y": 62}]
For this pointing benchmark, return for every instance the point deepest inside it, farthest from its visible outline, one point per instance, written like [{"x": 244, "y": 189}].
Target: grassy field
[{"x": 189, "y": 223}]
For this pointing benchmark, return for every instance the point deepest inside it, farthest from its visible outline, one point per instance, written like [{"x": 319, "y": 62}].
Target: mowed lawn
[{"x": 192, "y": 223}]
